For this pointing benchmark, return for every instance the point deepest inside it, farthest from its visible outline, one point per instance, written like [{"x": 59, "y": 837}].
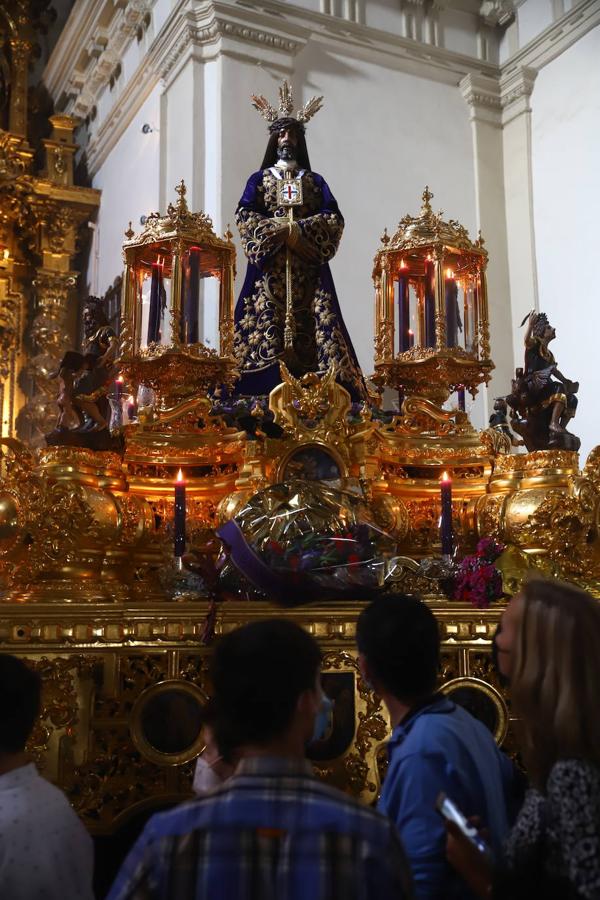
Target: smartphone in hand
[{"x": 450, "y": 811}]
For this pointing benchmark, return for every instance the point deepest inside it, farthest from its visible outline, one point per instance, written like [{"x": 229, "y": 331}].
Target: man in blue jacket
[{"x": 435, "y": 745}]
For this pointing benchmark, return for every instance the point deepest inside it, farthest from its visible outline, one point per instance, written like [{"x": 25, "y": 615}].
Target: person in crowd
[
  {"x": 435, "y": 745},
  {"x": 45, "y": 850},
  {"x": 216, "y": 763},
  {"x": 272, "y": 831},
  {"x": 549, "y": 649}
]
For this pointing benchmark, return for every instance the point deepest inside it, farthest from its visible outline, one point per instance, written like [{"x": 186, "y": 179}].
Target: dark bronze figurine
[{"x": 542, "y": 400}]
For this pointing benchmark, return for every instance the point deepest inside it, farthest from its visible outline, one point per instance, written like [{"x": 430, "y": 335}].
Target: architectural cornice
[
  {"x": 88, "y": 54},
  {"x": 273, "y": 33},
  {"x": 557, "y": 38},
  {"x": 516, "y": 88}
]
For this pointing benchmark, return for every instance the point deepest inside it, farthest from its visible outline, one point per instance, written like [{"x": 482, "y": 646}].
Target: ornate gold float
[{"x": 86, "y": 546}]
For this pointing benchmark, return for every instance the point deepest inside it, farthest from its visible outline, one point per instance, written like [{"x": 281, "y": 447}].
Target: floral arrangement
[
  {"x": 346, "y": 551},
  {"x": 478, "y": 581}
]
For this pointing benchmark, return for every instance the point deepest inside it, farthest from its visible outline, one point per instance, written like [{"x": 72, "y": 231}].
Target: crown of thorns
[{"x": 283, "y": 115}]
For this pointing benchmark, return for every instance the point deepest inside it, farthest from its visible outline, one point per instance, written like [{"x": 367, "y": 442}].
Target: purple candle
[
  {"x": 446, "y": 534},
  {"x": 179, "y": 515},
  {"x": 131, "y": 408},
  {"x": 451, "y": 310},
  {"x": 403, "y": 308},
  {"x": 429, "y": 303},
  {"x": 156, "y": 303},
  {"x": 191, "y": 296},
  {"x": 461, "y": 398}
]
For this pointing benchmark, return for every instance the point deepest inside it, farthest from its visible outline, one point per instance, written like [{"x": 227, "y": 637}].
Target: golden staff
[{"x": 290, "y": 195}]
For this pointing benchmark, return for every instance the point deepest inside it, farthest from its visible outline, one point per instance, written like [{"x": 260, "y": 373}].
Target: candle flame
[
  {"x": 130, "y": 399},
  {"x": 120, "y": 379},
  {"x": 445, "y": 477},
  {"x": 449, "y": 273},
  {"x": 403, "y": 264},
  {"x": 410, "y": 331},
  {"x": 180, "y": 476}
]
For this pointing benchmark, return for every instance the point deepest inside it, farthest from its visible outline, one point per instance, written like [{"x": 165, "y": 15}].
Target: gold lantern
[
  {"x": 432, "y": 328},
  {"x": 177, "y": 322}
]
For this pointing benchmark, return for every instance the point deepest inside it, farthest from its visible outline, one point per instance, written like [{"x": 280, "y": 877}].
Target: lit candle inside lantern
[
  {"x": 191, "y": 295},
  {"x": 131, "y": 408},
  {"x": 451, "y": 297},
  {"x": 118, "y": 389},
  {"x": 179, "y": 515},
  {"x": 403, "y": 308},
  {"x": 157, "y": 302},
  {"x": 461, "y": 398},
  {"x": 446, "y": 534},
  {"x": 411, "y": 338},
  {"x": 429, "y": 303}
]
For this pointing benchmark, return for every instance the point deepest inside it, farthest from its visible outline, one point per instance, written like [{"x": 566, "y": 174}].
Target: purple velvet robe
[{"x": 320, "y": 338}]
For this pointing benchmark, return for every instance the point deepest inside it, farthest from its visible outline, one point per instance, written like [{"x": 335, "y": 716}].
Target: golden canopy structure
[{"x": 431, "y": 312}]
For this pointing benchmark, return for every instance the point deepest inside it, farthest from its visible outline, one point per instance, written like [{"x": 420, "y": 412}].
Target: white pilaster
[
  {"x": 482, "y": 95},
  {"x": 516, "y": 88}
]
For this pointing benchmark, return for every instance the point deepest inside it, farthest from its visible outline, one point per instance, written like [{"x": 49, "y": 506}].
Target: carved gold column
[
  {"x": 440, "y": 299},
  {"x": 387, "y": 310},
  {"x": 226, "y": 308},
  {"x": 55, "y": 209},
  {"x": 484, "y": 324},
  {"x": 51, "y": 339},
  {"x": 17, "y": 122}
]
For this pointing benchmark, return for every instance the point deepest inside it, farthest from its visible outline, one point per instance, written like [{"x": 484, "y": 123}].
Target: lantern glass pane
[{"x": 155, "y": 293}]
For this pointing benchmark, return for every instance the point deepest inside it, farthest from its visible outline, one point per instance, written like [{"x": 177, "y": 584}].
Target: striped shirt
[{"x": 271, "y": 832}]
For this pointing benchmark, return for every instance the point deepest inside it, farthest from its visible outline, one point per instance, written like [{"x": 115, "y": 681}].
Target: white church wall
[
  {"x": 566, "y": 195},
  {"x": 129, "y": 183},
  {"x": 378, "y": 145}
]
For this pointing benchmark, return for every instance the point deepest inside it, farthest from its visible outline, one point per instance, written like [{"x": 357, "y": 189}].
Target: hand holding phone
[{"x": 450, "y": 811}]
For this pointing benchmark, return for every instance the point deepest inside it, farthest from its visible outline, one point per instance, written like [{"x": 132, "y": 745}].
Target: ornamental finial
[
  {"x": 427, "y": 196},
  {"x": 182, "y": 191},
  {"x": 385, "y": 238},
  {"x": 129, "y": 233}
]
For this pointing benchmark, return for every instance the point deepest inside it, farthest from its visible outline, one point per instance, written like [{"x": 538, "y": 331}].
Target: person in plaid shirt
[{"x": 272, "y": 831}]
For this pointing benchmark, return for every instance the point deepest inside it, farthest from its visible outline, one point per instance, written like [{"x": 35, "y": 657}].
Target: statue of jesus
[{"x": 290, "y": 226}]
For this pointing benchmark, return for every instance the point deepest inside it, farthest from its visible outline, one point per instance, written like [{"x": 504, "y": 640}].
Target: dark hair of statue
[
  {"x": 258, "y": 673},
  {"x": 20, "y": 690},
  {"x": 271, "y": 157},
  {"x": 540, "y": 324},
  {"x": 95, "y": 306},
  {"x": 398, "y": 634}
]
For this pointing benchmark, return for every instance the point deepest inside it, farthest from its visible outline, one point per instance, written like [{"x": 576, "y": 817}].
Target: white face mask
[{"x": 205, "y": 777}]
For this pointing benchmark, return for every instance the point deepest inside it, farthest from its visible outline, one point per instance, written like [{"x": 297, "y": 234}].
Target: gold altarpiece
[{"x": 89, "y": 591}]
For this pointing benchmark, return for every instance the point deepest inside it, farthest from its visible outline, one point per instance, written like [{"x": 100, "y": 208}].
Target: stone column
[
  {"x": 516, "y": 88},
  {"x": 482, "y": 95}
]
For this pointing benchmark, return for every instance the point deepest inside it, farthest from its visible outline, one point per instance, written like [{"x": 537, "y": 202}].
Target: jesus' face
[{"x": 287, "y": 141}]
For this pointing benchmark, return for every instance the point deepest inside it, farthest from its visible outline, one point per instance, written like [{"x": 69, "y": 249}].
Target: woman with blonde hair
[{"x": 549, "y": 649}]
